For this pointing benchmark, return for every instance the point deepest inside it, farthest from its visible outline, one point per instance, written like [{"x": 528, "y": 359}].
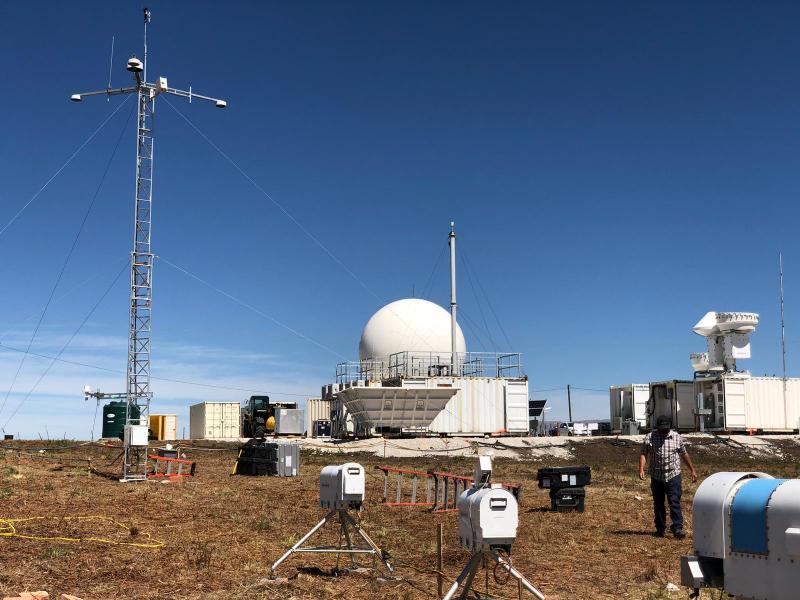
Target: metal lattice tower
[{"x": 138, "y": 392}]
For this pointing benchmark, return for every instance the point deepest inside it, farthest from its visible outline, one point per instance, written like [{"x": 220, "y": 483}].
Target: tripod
[
  {"x": 347, "y": 524},
  {"x": 468, "y": 574}
]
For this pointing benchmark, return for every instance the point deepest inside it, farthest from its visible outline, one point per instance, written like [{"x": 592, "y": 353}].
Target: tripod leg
[
  {"x": 471, "y": 565},
  {"x": 346, "y": 532},
  {"x": 339, "y": 542},
  {"x": 470, "y": 577},
  {"x": 518, "y": 576},
  {"x": 368, "y": 540},
  {"x": 302, "y": 540}
]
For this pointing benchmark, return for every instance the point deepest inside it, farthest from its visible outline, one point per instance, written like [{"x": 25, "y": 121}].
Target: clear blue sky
[{"x": 615, "y": 170}]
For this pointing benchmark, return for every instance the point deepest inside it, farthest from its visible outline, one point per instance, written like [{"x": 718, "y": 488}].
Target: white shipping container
[
  {"x": 628, "y": 402},
  {"x": 738, "y": 402},
  {"x": 764, "y": 404},
  {"x": 317, "y": 409},
  {"x": 214, "y": 421},
  {"x": 481, "y": 405}
]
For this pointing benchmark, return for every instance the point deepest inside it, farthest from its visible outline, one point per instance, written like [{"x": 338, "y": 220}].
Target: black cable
[
  {"x": 429, "y": 282},
  {"x": 64, "y": 166},
  {"x": 66, "y": 260},
  {"x": 488, "y": 301},
  {"x": 64, "y": 347},
  {"x": 116, "y": 372},
  {"x": 480, "y": 307},
  {"x": 476, "y": 330}
]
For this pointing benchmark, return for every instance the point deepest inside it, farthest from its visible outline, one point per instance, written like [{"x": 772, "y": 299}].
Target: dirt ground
[{"x": 221, "y": 533}]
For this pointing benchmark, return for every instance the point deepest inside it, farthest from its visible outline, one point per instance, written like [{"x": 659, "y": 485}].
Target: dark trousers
[{"x": 671, "y": 491}]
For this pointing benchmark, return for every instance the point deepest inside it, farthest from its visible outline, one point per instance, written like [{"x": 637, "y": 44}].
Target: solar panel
[{"x": 536, "y": 408}]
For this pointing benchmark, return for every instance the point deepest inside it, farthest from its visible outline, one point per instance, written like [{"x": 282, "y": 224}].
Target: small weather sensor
[
  {"x": 341, "y": 486},
  {"x": 487, "y": 526}
]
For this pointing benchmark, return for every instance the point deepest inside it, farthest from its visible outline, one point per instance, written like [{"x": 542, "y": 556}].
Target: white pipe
[{"x": 453, "y": 305}]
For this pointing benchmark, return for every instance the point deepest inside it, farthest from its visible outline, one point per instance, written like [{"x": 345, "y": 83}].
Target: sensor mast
[{"x": 138, "y": 393}]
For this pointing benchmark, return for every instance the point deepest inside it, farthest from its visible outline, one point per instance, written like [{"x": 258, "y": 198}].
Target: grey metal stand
[
  {"x": 346, "y": 524},
  {"x": 468, "y": 574}
]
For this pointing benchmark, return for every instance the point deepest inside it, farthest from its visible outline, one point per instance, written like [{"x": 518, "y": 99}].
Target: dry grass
[{"x": 221, "y": 533}]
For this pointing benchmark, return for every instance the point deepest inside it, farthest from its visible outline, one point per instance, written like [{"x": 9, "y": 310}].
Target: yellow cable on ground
[{"x": 9, "y": 529}]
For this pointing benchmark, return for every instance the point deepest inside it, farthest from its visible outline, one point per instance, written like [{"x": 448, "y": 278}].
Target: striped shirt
[{"x": 663, "y": 452}]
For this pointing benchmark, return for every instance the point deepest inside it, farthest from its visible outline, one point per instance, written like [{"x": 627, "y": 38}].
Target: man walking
[{"x": 664, "y": 450}]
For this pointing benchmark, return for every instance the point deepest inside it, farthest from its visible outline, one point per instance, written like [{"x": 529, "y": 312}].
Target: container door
[
  {"x": 626, "y": 412},
  {"x": 640, "y": 396},
  {"x": 662, "y": 404},
  {"x": 155, "y": 422},
  {"x": 171, "y": 427},
  {"x": 516, "y": 393},
  {"x": 735, "y": 405},
  {"x": 232, "y": 420},
  {"x": 686, "y": 404},
  {"x": 614, "y": 403},
  {"x": 214, "y": 420}
]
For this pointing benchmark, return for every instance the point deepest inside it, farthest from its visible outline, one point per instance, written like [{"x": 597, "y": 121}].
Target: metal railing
[
  {"x": 466, "y": 364},
  {"x": 363, "y": 370},
  {"x": 432, "y": 364}
]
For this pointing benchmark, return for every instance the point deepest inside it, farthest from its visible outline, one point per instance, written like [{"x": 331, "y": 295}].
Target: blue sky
[{"x": 615, "y": 170}]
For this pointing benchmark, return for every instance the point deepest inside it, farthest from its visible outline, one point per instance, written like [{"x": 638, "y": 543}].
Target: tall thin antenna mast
[
  {"x": 783, "y": 337},
  {"x": 453, "y": 305},
  {"x": 110, "y": 65},
  {"x": 138, "y": 393}
]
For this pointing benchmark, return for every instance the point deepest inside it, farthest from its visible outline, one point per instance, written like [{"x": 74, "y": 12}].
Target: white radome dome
[{"x": 412, "y": 325}]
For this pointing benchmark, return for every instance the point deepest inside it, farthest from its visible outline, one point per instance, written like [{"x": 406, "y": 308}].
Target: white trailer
[{"x": 628, "y": 403}]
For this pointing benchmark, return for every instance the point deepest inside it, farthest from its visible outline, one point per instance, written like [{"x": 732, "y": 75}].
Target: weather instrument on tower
[{"x": 138, "y": 393}]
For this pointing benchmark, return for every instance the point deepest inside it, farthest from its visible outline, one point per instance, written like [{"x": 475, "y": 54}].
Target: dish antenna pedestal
[
  {"x": 138, "y": 393},
  {"x": 728, "y": 339}
]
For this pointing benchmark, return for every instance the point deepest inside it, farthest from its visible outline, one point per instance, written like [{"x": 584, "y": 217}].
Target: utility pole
[
  {"x": 783, "y": 340},
  {"x": 569, "y": 402},
  {"x": 138, "y": 393},
  {"x": 453, "y": 305}
]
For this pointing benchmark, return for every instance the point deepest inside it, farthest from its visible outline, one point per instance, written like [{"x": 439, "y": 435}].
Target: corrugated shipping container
[
  {"x": 214, "y": 420},
  {"x": 482, "y": 405},
  {"x": 317, "y": 409},
  {"x": 764, "y": 403},
  {"x": 164, "y": 427}
]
